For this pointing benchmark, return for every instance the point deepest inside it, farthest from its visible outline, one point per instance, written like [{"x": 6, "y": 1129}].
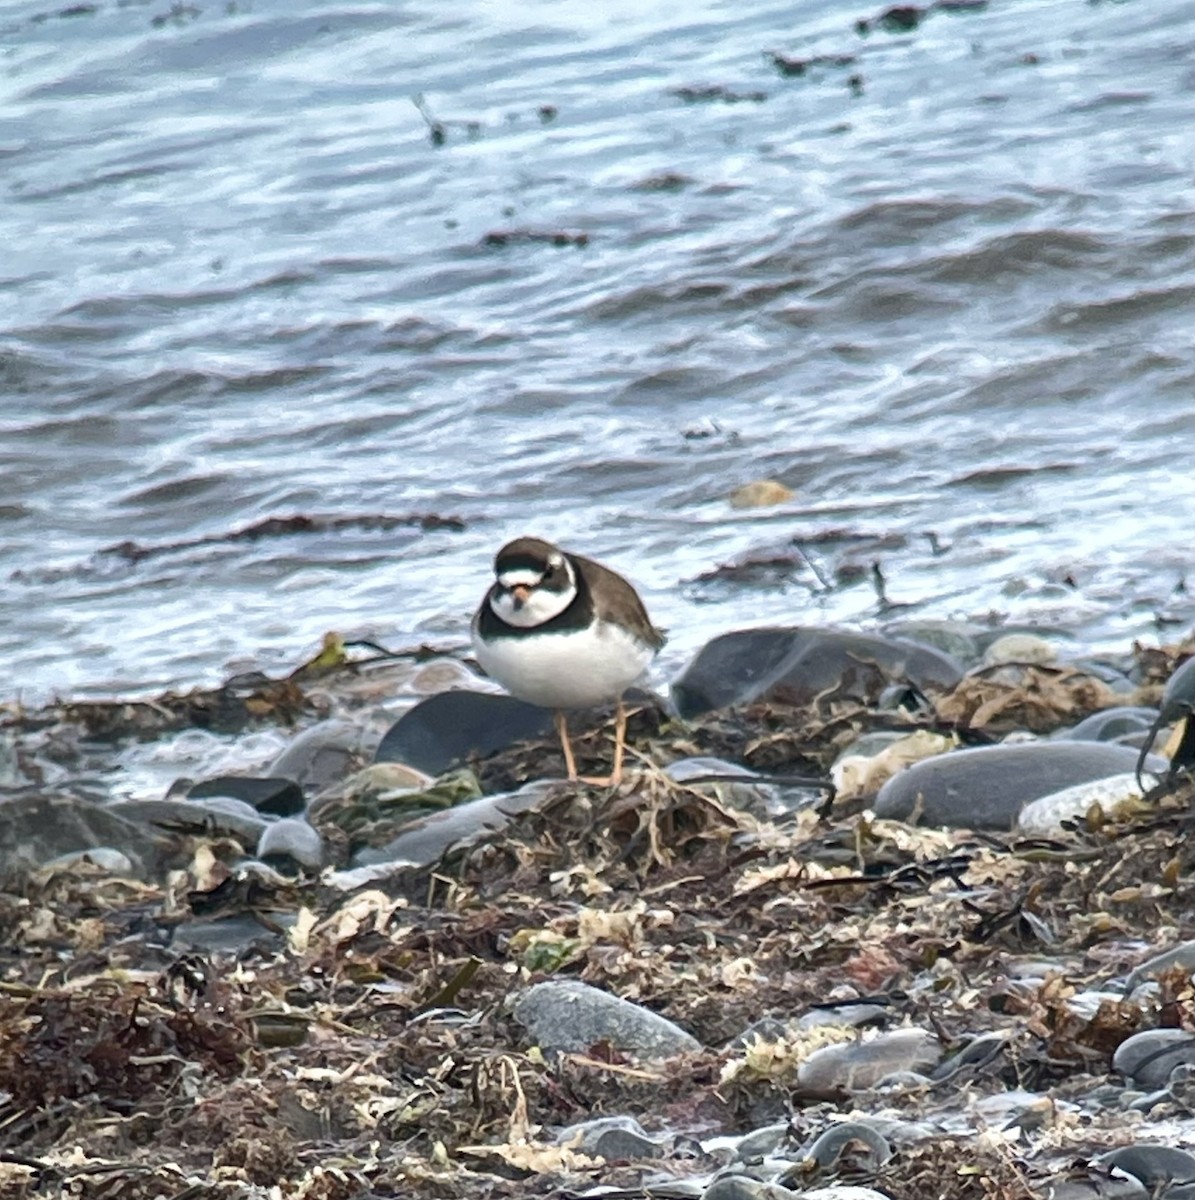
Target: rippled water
[{"x": 942, "y": 287}]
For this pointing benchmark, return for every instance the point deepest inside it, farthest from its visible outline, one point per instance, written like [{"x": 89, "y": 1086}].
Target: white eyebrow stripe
[{"x": 520, "y": 578}]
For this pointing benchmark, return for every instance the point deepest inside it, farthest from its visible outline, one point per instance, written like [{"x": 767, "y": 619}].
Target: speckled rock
[
  {"x": 1114, "y": 795},
  {"x": 565, "y": 1016},
  {"x": 792, "y": 665},
  {"x": 986, "y": 788}
]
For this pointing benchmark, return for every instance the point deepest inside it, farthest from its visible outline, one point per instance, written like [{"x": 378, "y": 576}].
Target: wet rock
[
  {"x": 857, "y": 1066},
  {"x": 1154, "y": 1166},
  {"x": 36, "y": 829},
  {"x": 1110, "y": 724},
  {"x": 1178, "y": 696},
  {"x": 322, "y": 755},
  {"x": 214, "y": 817},
  {"x": 1148, "y": 1058},
  {"x": 1116, "y": 797},
  {"x": 753, "y": 794},
  {"x": 426, "y": 840},
  {"x": 273, "y": 795},
  {"x": 565, "y": 1016},
  {"x": 1182, "y": 955},
  {"x": 794, "y": 665},
  {"x": 612, "y": 1138},
  {"x": 291, "y": 843},
  {"x": 444, "y": 730},
  {"x": 986, "y": 788}
]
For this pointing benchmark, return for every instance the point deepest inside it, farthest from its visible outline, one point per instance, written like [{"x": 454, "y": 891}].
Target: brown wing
[{"x": 619, "y": 600}]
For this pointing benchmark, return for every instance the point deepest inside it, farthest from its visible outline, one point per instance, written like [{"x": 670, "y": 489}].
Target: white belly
[{"x": 565, "y": 670}]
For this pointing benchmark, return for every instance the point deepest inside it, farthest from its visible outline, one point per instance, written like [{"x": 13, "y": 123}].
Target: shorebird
[{"x": 563, "y": 631}]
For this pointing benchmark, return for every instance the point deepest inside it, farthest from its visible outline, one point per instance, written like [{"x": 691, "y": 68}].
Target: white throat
[{"x": 541, "y": 604}]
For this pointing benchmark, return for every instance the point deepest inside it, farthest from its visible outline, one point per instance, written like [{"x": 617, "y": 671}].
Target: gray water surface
[{"x": 940, "y": 282}]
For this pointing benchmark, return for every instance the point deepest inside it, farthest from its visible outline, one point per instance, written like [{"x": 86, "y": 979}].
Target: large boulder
[{"x": 794, "y": 665}]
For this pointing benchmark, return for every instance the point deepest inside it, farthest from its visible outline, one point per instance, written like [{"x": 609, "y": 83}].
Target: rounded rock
[
  {"x": 566, "y": 1016},
  {"x": 289, "y": 843},
  {"x": 986, "y": 788},
  {"x": 860, "y": 1065},
  {"x": 1114, "y": 795},
  {"x": 1148, "y": 1058}
]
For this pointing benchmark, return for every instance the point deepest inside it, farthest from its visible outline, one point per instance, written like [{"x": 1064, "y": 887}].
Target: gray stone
[
  {"x": 425, "y": 840},
  {"x": 612, "y": 1138},
  {"x": 36, "y": 828},
  {"x": 322, "y": 755},
  {"x": 290, "y": 843},
  {"x": 793, "y": 665},
  {"x": 217, "y": 816},
  {"x": 1110, "y": 724},
  {"x": 444, "y": 730},
  {"x": 860, "y": 1065},
  {"x": 986, "y": 788},
  {"x": 1147, "y": 1058},
  {"x": 762, "y": 1142},
  {"x": 1153, "y": 1165},
  {"x": 273, "y": 795},
  {"x": 565, "y": 1016}
]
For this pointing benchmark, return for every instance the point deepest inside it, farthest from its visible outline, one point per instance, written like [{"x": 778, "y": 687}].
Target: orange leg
[
  {"x": 620, "y": 739},
  {"x": 570, "y": 764}
]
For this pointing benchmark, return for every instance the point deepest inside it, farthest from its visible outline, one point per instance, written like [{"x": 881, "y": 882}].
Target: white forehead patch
[
  {"x": 555, "y": 560},
  {"x": 520, "y": 578}
]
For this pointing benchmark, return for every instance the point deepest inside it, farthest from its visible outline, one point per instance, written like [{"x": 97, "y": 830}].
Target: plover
[{"x": 563, "y": 631}]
